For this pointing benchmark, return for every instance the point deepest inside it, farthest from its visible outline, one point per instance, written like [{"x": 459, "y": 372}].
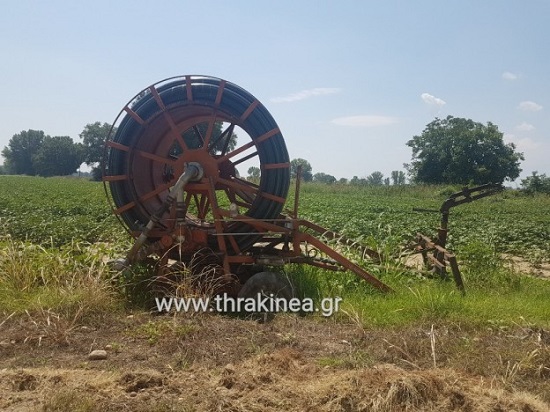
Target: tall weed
[{"x": 36, "y": 278}]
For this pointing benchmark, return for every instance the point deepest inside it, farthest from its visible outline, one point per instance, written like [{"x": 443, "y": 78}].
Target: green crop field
[
  {"x": 55, "y": 211},
  {"x": 59, "y": 211},
  {"x": 55, "y": 218}
]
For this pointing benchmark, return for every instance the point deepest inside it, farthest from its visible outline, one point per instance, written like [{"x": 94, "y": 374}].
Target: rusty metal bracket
[
  {"x": 439, "y": 259},
  {"x": 440, "y": 256}
]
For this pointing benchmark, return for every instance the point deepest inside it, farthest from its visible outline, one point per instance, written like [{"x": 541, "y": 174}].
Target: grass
[
  {"x": 61, "y": 230},
  {"x": 72, "y": 280},
  {"x": 163, "y": 329},
  {"x": 496, "y": 294}
]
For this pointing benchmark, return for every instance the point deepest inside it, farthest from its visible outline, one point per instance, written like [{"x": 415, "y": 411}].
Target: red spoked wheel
[{"x": 208, "y": 122}]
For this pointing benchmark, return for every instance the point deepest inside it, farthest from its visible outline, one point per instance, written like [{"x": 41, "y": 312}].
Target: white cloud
[
  {"x": 529, "y": 106},
  {"x": 525, "y": 127},
  {"x": 432, "y": 100},
  {"x": 523, "y": 144},
  {"x": 509, "y": 76},
  {"x": 365, "y": 121},
  {"x": 305, "y": 94}
]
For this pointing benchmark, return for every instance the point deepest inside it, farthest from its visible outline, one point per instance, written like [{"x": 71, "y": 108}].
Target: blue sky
[{"x": 348, "y": 82}]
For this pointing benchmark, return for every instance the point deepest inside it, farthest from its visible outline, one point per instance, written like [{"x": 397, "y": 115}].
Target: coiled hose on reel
[{"x": 141, "y": 162}]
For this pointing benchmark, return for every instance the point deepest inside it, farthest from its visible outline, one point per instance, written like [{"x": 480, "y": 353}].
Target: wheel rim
[{"x": 193, "y": 119}]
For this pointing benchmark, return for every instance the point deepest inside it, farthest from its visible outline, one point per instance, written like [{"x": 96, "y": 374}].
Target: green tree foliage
[
  {"x": 20, "y": 151},
  {"x": 398, "y": 177},
  {"x": 323, "y": 178},
  {"x": 461, "y": 151},
  {"x": 536, "y": 183},
  {"x": 375, "y": 179},
  {"x": 57, "y": 156},
  {"x": 254, "y": 174},
  {"x": 355, "y": 181},
  {"x": 306, "y": 169},
  {"x": 93, "y": 140}
]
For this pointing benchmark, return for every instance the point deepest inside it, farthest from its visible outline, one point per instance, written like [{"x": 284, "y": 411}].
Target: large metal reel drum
[{"x": 193, "y": 119}]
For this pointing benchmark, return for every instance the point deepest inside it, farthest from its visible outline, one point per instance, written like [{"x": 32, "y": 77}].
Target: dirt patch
[
  {"x": 517, "y": 263},
  {"x": 539, "y": 270},
  {"x": 293, "y": 363}
]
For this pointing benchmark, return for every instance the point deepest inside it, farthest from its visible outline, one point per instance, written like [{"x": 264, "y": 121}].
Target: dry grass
[
  {"x": 72, "y": 281},
  {"x": 282, "y": 380},
  {"x": 205, "y": 363}
]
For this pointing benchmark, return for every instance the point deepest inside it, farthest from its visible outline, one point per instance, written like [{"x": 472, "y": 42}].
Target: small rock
[
  {"x": 133, "y": 394},
  {"x": 108, "y": 347},
  {"x": 4, "y": 344},
  {"x": 229, "y": 368},
  {"x": 98, "y": 354}
]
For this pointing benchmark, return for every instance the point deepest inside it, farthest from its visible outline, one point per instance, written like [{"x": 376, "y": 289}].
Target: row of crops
[{"x": 58, "y": 211}]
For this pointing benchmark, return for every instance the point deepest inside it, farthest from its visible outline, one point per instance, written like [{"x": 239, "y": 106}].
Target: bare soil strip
[{"x": 208, "y": 363}]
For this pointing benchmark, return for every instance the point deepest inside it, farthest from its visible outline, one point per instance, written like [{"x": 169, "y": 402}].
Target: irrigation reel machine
[{"x": 170, "y": 172}]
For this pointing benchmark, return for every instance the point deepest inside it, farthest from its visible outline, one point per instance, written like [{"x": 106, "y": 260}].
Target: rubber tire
[{"x": 267, "y": 284}]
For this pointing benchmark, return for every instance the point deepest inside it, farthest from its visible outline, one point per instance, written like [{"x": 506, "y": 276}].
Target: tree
[
  {"x": 536, "y": 183},
  {"x": 323, "y": 178},
  {"x": 461, "y": 151},
  {"x": 58, "y": 156},
  {"x": 398, "y": 177},
  {"x": 20, "y": 151},
  {"x": 254, "y": 173},
  {"x": 306, "y": 169},
  {"x": 343, "y": 181},
  {"x": 355, "y": 181},
  {"x": 375, "y": 179},
  {"x": 93, "y": 138}
]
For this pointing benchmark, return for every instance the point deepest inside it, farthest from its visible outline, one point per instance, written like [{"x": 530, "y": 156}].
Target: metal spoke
[
  {"x": 244, "y": 159},
  {"x": 209, "y": 131},
  {"x": 261, "y": 139},
  {"x": 237, "y": 186},
  {"x": 198, "y": 134},
  {"x": 155, "y": 192},
  {"x": 155, "y": 157},
  {"x": 227, "y": 132},
  {"x": 173, "y": 128}
]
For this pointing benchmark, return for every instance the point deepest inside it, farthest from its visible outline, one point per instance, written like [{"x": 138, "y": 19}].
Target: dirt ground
[
  {"x": 539, "y": 270},
  {"x": 218, "y": 363}
]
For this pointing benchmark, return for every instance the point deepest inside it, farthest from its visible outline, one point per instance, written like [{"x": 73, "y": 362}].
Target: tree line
[
  {"x": 32, "y": 152},
  {"x": 448, "y": 151},
  {"x": 374, "y": 179}
]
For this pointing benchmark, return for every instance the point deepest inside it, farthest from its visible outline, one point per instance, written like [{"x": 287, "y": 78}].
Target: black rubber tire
[{"x": 267, "y": 285}]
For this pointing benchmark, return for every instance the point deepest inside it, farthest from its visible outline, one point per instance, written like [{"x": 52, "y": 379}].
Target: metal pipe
[
  {"x": 193, "y": 171},
  {"x": 297, "y": 193}
]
